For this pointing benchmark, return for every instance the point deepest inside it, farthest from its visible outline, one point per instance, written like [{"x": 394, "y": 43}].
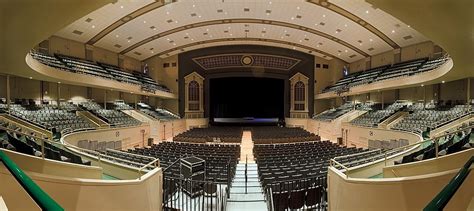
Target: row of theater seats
[
  {"x": 447, "y": 145},
  {"x": 273, "y": 135},
  {"x": 111, "y": 72},
  {"x": 160, "y": 114},
  {"x": 221, "y": 159},
  {"x": 113, "y": 117},
  {"x": 402, "y": 69},
  {"x": 334, "y": 113},
  {"x": 50, "y": 116},
  {"x": 295, "y": 174},
  {"x": 374, "y": 117},
  {"x": 13, "y": 140},
  {"x": 211, "y": 134},
  {"x": 420, "y": 119}
]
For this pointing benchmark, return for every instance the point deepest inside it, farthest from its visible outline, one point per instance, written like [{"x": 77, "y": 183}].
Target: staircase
[{"x": 246, "y": 193}]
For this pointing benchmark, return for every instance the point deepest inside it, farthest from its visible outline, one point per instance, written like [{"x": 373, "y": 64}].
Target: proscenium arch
[
  {"x": 243, "y": 21},
  {"x": 243, "y": 39}
]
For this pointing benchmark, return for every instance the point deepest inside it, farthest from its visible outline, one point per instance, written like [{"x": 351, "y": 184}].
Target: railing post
[
  {"x": 436, "y": 147},
  {"x": 246, "y": 174},
  {"x": 42, "y": 149}
]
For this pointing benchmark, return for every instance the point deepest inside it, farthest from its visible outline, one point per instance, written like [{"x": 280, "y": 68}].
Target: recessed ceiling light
[
  {"x": 269, "y": 2},
  {"x": 194, "y": 5},
  {"x": 441, "y": 81},
  {"x": 207, "y": 29},
  {"x": 59, "y": 82},
  {"x": 345, "y": 25},
  {"x": 297, "y": 8},
  {"x": 367, "y": 11},
  {"x": 210, "y": 36},
  {"x": 317, "y": 46},
  {"x": 168, "y": 39},
  {"x": 301, "y": 40},
  {"x": 152, "y": 52},
  {"x": 128, "y": 40},
  {"x": 393, "y": 31},
  {"x": 422, "y": 85},
  {"x": 339, "y": 54},
  {"x": 167, "y": 12},
  {"x": 32, "y": 78},
  {"x": 192, "y": 39},
  {"x": 371, "y": 40},
  {"x": 121, "y": 6},
  {"x": 324, "y": 16},
  {"x": 268, "y": 13},
  {"x": 345, "y": 51},
  {"x": 292, "y": 18},
  {"x": 409, "y": 26},
  {"x": 230, "y": 34},
  {"x": 116, "y": 35},
  {"x": 93, "y": 26},
  {"x": 199, "y": 16},
  {"x": 294, "y": 48},
  {"x": 175, "y": 21},
  {"x": 281, "y": 37}
]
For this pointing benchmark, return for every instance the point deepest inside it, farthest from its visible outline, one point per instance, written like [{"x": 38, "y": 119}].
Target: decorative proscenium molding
[{"x": 246, "y": 60}]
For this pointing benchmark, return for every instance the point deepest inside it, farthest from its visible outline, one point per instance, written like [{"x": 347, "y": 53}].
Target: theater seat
[
  {"x": 313, "y": 196},
  {"x": 280, "y": 200},
  {"x": 297, "y": 199}
]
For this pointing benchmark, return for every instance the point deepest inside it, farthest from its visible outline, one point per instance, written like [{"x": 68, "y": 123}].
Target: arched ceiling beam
[
  {"x": 356, "y": 19},
  {"x": 242, "y": 39},
  {"x": 240, "y": 21}
]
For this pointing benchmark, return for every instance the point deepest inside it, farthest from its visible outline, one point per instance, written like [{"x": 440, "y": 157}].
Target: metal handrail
[
  {"x": 99, "y": 155},
  {"x": 39, "y": 196},
  {"x": 443, "y": 197},
  {"x": 127, "y": 153},
  {"x": 334, "y": 164},
  {"x": 154, "y": 162}
]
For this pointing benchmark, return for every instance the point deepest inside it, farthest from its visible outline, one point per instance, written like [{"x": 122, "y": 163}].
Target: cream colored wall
[
  {"x": 87, "y": 194},
  {"x": 58, "y": 45},
  {"x": 382, "y": 59},
  {"x": 52, "y": 167},
  {"x": 397, "y": 194},
  {"x": 130, "y": 136},
  {"x": 359, "y": 136},
  {"x": 130, "y": 63},
  {"x": 104, "y": 56},
  {"x": 197, "y": 122},
  {"x": 444, "y": 163},
  {"x": 358, "y": 66},
  {"x": 417, "y": 51}
]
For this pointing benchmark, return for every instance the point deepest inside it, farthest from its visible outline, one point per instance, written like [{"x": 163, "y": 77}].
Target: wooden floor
[{"x": 246, "y": 148}]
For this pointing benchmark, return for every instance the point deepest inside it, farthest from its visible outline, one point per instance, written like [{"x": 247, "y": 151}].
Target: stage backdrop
[{"x": 245, "y": 61}]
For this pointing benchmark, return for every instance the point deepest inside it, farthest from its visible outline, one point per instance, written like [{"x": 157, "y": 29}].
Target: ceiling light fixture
[
  {"x": 324, "y": 16},
  {"x": 367, "y": 11},
  {"x": 393, "y": 31},
  {"x": 371, "y": 40},
  {"x": 121, "y": 6},
  {"x": 93, "y": 26}
]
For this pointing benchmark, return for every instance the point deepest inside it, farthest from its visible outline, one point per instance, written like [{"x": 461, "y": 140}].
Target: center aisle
[{"x": 246, "y": 195}]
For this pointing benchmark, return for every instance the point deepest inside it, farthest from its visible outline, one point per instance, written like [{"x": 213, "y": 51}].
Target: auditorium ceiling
[{"x": 348, "y": 30}]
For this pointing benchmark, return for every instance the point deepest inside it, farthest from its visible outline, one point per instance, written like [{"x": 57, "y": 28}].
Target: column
[
  {"x": 8, "y": 94},
  {"x": 59, "y": 94},
  {"x": 105, "y": 99}
]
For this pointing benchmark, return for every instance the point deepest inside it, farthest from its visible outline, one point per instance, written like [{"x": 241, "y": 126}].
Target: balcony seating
[
  {"x": 158, "y": 113},
  {"x": 447, "y": 145},
  {"x": 374, "y": 117},
  {"x": 51, "y": 116},
  {"x": 403, "y": 69},
  {"x": 31, "y": 146},
  {"x": 113, "y": 117},
  {"x": 271, "y": 135},
  {"x": 334, "y": 113},
  {"x": 421, "y": 120},
  {"x": 120, "y": 105},
  {"x": 211, "y": 134},
  {"x": 110, "y": 72}
]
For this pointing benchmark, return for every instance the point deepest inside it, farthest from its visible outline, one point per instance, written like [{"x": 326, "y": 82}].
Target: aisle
[
  {"x": 246, "y": 195},
  {"x": 246, "y": 148}
]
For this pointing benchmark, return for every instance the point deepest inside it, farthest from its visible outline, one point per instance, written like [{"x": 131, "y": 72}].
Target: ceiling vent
[
  {"x": 352, "y": 56},
  {"x": 322, "y": 23},
  {"x": 246, "y": 9},
  {"x": 268, "y": 11},
  {"x": 370, "y": 49},
  {"x": 88, "y": 20},
  {"x": 117, "y": 46},
  {"x": 77, "y": 32},
  {"x": 220, "y": 10},
  {"x": 298, "y": 16},
  {"x": 169, "y": 21},
  {"x": 137, "y": 53},
  {"x": 407, "y": 37}
]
